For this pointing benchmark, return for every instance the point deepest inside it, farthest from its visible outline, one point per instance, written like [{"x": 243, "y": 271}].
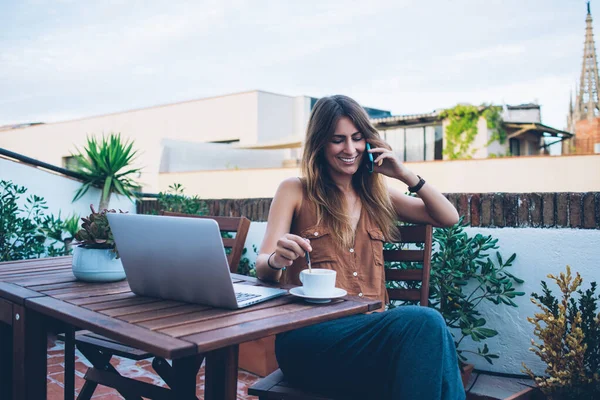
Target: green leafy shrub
[
  {"x": 60, "y": 233},
  {"x": 245, "y": 267},
  {"x": 25, "y": 230},
  {"x": 569, "y": 331},
  {"x": 174, "y": 200},
  {"x": 463, "y": 275}
]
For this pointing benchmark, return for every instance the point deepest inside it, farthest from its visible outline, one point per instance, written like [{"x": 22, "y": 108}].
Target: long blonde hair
[{"x": 322, "y": 190}]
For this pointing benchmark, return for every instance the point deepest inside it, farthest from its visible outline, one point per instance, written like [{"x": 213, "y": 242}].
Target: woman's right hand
[{"x": 289, "y": 248}]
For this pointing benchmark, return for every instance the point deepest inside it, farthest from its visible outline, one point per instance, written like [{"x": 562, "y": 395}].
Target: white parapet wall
[
  {"x": 509, "y": 174},
  {"x": 57, "y": 190},
  {"x": 539, "y": 252}
]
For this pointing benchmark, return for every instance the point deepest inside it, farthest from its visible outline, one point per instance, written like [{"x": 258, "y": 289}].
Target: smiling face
[{"x": 344, "y": 151}]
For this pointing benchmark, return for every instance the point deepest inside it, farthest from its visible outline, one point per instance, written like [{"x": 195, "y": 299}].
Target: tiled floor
[{"x": 133, "y": 369}]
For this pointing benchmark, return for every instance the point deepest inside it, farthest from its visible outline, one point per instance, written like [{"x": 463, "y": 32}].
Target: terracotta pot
[
  {"x": 465, "y": 374},
  {"x": 258, "y": 356}
]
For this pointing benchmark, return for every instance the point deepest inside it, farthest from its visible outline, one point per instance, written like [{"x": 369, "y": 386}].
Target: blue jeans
[{"x": 406, "y": 353}]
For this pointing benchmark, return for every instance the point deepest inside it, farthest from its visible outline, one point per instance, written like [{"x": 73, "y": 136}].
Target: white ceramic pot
[{"x": 97, "y": 265}]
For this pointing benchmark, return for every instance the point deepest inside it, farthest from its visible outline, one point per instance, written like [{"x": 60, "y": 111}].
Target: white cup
[{"x": 318, "y": 282}]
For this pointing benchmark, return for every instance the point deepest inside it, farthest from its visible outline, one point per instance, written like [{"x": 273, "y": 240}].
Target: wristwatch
[{"x": 418, "y": 186}]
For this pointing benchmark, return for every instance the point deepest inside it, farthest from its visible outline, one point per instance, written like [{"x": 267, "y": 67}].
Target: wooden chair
[
  {"x": 237, "y": 225},
  {"x": 275, "y": 387},
  {"x": 99, "y": 350}
]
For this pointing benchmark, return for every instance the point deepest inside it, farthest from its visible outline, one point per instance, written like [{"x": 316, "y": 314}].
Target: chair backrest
[
  {"x": 237, "y": 225},
  {"x": 411, "y": 234}
]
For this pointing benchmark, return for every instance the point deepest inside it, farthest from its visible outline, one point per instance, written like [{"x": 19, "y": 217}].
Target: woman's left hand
[{"x": 387, "y": 163}]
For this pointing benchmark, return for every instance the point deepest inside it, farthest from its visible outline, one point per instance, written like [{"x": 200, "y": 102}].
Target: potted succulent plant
[{"x": 95, "y": 256}]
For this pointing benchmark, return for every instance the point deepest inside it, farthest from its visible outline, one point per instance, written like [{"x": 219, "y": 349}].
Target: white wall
[
  {"x": 275, "y": 117},
  {"x": 57, "y": 190},
  {"x": 539, "y": 252}
]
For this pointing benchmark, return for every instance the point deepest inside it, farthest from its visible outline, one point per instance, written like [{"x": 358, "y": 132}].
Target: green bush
[
  {"x": 26, "y": 231},
  {"x": 463, "y": 275},
  {"x": 174, "y": 200}
]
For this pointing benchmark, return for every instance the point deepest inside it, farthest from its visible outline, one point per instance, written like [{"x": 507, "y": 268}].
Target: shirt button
[
  {"x": 360, "y": 295},
  {"x": 316, "y": 233},
  {"x": 351, "y": 250},
  {"x": 355, "y": 273}
]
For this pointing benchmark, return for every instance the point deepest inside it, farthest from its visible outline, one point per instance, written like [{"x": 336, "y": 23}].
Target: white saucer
[{"x": 337, "y": 293}]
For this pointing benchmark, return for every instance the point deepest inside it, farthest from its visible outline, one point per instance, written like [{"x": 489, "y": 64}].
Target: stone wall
[{"x": 490, "y": 210}]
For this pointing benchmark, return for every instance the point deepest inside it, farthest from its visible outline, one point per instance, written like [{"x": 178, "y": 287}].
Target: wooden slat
[
  {"x": 403, "y": 255},
  {"x": 251, "y": 330},
  {"x": 267, "y": 383},
  {"x": 226, "y": 224},
  {"x": 37, "y": 270},
  {"x": 61, "y": 278},
  {"x": 107, "y": 305},
  {"x": 95, "y": 294},
  {"x": 228, "y": 242},
  {"x": 212, "y": 313},
  {"x": 129, "y": 334},
  {"x": 403, "y": 274},
  {"x": 165, "y": 313},
  {"x": 52, "y": 286},
  {"x": 89, "y": 291},
  {"x": 25, "y": 264},
  {"x": 115, "y": 347},
  {"x": 101, "y": 299},
  {"x": 136, "y": 309},
  {"x": 413, "y": 234},
  {"x": 25, "y": 278},
  {"x": 275, "y": 387},
  {"x": 404, "y": 294}
]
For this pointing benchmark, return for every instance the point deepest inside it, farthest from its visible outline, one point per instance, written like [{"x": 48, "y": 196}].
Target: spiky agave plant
[{"x": 105, "y": 164}]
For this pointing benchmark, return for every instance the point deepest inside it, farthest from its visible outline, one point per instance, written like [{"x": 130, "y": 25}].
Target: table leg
[
  {"x": 6, "y": 361},
  {"x": 221, "y": 374},
  {"x": 30, "y": 341},
  {"x": 69, "y": 363},
  {"x": 182, "y": 376}
]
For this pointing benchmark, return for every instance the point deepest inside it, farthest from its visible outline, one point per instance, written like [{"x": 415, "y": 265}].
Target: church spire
[{"x": 587, "y": 101}]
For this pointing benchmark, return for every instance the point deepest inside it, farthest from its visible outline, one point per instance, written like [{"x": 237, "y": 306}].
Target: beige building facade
[{"x": 245, "y": 119}]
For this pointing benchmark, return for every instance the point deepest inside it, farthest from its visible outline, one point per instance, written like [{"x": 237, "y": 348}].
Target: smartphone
[{"x": 369, "y": 159}]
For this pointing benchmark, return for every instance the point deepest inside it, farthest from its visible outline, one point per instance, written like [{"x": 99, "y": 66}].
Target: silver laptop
[{"x": 181, "y": 259}]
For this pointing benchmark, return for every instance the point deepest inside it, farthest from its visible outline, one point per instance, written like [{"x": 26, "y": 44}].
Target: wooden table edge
[
  {"x": 17, "y": 294},
  {"x": 363, "y": 306},
  {"x": 111, "y": 327}
]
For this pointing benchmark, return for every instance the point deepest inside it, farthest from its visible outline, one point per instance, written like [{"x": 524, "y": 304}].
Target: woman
[{"x": 341, "y": 213}]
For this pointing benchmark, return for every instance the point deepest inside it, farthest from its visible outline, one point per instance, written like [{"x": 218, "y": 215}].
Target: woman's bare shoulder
[{"x": 291, "y": 190}]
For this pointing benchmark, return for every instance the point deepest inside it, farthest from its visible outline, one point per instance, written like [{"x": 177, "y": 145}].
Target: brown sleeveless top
[{"x": 360, "y": 269}]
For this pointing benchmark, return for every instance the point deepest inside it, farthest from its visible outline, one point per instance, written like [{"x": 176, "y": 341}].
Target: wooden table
[{"x": 46, "y": 296}]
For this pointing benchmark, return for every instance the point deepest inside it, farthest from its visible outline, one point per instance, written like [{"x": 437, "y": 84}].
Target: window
[
  {"x": 421, "y": 143},
  {"x": 515, "y": 147}
]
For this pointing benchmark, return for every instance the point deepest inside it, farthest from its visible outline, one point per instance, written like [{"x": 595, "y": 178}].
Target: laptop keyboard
[{"x": 241, "y": 296}]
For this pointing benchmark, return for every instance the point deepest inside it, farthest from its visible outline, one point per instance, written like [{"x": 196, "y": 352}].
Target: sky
[{"x": 62, "y": 60}]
